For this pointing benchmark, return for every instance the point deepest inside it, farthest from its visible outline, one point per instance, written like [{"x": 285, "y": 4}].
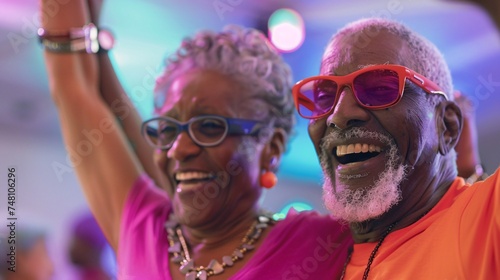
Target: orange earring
[{"x": 268, "y": 179}]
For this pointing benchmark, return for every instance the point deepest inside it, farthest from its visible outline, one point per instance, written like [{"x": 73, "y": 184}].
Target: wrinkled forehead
[{"x": 357, "y": 48}]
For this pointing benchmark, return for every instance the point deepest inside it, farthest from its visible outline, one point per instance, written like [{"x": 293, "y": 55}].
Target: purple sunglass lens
[
  {"x": 377, "y": 87},
  {"x": 319, "y": 97}
]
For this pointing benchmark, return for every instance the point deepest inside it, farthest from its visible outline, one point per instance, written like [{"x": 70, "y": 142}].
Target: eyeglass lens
[
  {"x": 203, "y": 131},
  {"x": 372, "y": 88}
]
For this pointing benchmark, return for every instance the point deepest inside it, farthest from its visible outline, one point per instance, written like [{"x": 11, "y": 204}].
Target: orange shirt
[{"x": 458, "y": 239}]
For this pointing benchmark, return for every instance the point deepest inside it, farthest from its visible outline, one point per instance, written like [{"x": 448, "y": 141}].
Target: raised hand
[{"x": 468, "y": 159}]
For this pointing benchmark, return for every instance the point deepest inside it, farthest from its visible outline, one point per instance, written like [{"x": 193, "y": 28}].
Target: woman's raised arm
[
  {"x": 118, "y": 101},
  {"x": 105, "y": 164}
]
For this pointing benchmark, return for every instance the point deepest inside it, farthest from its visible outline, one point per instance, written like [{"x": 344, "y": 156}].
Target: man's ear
[
  {"x": 273, "y": 150},
  {"x": 449, "y": 125}
]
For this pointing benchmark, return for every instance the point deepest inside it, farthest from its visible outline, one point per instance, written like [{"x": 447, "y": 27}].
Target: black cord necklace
[{"x": 372, "y": 255}]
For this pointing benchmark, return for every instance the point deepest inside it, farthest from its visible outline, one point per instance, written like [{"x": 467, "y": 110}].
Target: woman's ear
[
  {"x": 273, "y": 150},
  {"x": 449, "y": 125}
]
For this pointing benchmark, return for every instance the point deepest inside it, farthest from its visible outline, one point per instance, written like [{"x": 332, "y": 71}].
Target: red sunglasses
[{"x": 374, "y": 87}]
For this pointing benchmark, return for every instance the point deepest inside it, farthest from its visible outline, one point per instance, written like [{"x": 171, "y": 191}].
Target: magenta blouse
[{"x": 304, "y": 245}]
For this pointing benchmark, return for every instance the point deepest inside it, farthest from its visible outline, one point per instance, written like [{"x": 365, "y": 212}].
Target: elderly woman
[{"x": 223, "y": 116}]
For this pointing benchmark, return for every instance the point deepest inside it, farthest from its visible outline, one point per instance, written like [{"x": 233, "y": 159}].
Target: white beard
[{"x": 364, "y": 203}]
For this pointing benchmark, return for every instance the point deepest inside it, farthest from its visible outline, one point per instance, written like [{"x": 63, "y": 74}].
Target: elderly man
[{"x": 385, "y": 125}]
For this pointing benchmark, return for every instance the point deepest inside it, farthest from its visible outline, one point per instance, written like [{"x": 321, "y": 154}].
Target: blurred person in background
[
  {"x": 87, "y": 249},
  {"x": 32, "y": 259}
]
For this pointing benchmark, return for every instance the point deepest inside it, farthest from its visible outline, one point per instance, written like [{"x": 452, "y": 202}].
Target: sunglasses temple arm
[
  {"x": 427, "y": 85},
  {"x": 306, "y": 103}
]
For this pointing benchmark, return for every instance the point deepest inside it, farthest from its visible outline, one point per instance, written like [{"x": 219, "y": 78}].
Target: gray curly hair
[
  {"x": 427, "y": 59},
  {"x": 244, "y": 54}
]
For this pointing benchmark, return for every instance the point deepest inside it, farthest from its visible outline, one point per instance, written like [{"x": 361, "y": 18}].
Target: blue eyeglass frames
[{"x": 206, "y": 130}]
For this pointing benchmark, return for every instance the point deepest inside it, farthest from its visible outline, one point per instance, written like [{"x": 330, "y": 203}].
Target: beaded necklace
[
  {"x": 179, "y": 250},
  {"x": 372, "y": 255}
]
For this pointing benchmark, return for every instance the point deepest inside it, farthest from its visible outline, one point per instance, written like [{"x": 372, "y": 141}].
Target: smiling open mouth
[
  {"x": 193, "y": 177},
  {"x": 356, "y": 152}
]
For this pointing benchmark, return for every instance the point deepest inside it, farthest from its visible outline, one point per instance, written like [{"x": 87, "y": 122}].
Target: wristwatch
[
  {"x": 88, "y": 38},
  {"x": 478, "y": 175}
]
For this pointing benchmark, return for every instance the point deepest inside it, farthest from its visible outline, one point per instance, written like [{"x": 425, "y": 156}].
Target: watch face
[{"x": 106, "y": 39}]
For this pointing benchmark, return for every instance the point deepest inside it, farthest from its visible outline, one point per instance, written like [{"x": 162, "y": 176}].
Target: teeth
[
  {"x": 357, "y": 148},
  {"x": 350, "y": 148},
  {"x": 182, "y": 176},
  {"x": 365, "y": 148},
  {"x": 341, "y": 150},
  {"x": 373, "y": 148}
]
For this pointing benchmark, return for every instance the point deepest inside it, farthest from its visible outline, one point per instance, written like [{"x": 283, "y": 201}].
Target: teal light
[
  {"x": 281, "y": 16},
  {"x": 297, "y": 205},
  {"x": 143, "y": 43}
]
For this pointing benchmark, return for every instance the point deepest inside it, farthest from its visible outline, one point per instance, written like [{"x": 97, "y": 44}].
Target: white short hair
[{"x": 425, "y": 58}]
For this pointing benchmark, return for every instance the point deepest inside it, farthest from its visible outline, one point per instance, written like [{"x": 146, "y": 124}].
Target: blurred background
[{"x": 147, "y": 31}]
